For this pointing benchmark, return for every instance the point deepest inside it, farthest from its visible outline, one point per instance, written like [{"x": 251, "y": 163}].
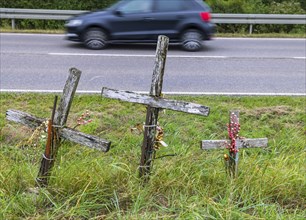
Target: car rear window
[
  {"x": 201, "y": 4},
  {"x": 136, "y": 6}
]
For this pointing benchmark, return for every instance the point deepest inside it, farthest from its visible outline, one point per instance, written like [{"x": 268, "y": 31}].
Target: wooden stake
[
  {"x": 147, "y": 150},
  {"x": 43, "y": 174}
]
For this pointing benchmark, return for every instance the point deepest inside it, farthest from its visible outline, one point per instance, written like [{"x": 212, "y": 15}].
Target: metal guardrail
[
  {"x": 259, "y": 19},
  {"x": 250, "y": 19},
  {"x": 40, "y": 14},
  {"x": 37, "y": 14}
]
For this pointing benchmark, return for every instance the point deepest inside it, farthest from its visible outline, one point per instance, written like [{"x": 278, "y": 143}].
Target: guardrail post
[
  {"x": 251, "y": 29},
  {"x": 13, "y": 24}
]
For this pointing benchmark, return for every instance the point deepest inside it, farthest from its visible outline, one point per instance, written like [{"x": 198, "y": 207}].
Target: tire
[
  {"x": 95, "y": 39},
  {"x": 192, "y": 40}
]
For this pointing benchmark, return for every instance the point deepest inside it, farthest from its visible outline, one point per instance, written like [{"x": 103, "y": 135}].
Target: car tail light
[{"x": 205, "y": 16}]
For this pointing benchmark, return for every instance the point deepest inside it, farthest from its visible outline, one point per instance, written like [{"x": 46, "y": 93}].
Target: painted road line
[
  {"x": 166, "y": 93},
  {"x": 32, "y": 34},
  {"x": 301, "y": 58},
  {"x": 170, "y": 56},
  {"x": 132, "y": 55}
]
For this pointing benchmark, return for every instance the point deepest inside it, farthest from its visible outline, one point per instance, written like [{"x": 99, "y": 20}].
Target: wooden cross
[
  {"x": 235, "y": 144},
  {"x": 154, "y": 103},
  {"x": 58, "y": 128}
]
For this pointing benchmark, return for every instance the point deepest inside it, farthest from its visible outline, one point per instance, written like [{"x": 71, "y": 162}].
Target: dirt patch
[
  {"x": 15, "y": 134},
  {"x": 273, "y": 110}
]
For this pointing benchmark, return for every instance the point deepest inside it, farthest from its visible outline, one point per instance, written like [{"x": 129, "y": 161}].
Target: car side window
[
  {"x": 169, "y": 5},
  {"x": 136, "y": 6}
]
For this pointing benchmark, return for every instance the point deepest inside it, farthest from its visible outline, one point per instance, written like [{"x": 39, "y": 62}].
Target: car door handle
[{"x": 148, "y": 19}]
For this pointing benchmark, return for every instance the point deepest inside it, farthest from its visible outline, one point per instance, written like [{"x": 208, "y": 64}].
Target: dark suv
[{"x": 141, "y": 21}]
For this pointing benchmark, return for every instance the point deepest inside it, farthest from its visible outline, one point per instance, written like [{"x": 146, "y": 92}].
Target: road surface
[{"x": 34, "y": 62}]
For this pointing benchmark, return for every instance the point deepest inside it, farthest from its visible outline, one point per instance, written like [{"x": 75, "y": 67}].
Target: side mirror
[{"x": 118, "y": 13}]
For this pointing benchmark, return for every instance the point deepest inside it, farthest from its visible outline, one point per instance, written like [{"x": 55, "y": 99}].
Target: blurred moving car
[{"x": 187, "y": 22}]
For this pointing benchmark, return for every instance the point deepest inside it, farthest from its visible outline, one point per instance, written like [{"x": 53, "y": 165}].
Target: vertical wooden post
[
  {"x": 147, "y": 151},
  {"x": 61, "y": 116},
  {"x": 71, "y": 85},
  {"x": 234, "y": 154}
]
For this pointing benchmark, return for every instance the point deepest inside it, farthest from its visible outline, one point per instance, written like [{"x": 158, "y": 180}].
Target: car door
[
  {"x": 131, "y": 20},
  {"x": 166, "y": 17}
]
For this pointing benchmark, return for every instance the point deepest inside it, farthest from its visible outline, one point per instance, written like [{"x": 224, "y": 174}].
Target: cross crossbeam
[
  {"x": 241, "y": 143},
  {"x": 156, "y": 102},
  {"x": 66, "y": 133}
]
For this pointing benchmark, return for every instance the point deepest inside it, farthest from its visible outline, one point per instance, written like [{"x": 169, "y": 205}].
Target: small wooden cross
[
  {"x": 58, "y": 128},
  {"x": 235, "y": 144},
  {"x": 154, "y": 103}
]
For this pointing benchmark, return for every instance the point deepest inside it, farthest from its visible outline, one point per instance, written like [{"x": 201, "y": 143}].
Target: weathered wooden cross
[
  {"x": 235, "y": 142},
  {"x": 57, "y": 128},
  {"x": 154, "y": 103}
]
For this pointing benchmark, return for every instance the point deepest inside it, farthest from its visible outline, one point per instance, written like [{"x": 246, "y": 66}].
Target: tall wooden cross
[
  {"x": 154, "y": 103},
  {"x": 57, "y": 128},
  {"x": 234, "y": 144}
]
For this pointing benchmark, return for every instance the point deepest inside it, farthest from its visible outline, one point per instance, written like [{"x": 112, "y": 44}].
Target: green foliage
[
  {"x": 91, "y": 5},
  {"x": 55, "y": 4},
  {"x": 302, "y": 3},
  {"x": 259, "y": 7},
  {"x": 236, "y": 6},
  {"x": 87, "y": 184},
  {"x": 283, "y": 7}
]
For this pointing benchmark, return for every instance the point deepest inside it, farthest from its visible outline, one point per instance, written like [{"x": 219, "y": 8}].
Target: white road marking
[
  {"x": 170, "y": 56},
  {"x": 100, "y": 55},
  {"x": 33, "y": 34},
  {"x": 167, "y": 93},
  {"x": 131, "y": 55}
]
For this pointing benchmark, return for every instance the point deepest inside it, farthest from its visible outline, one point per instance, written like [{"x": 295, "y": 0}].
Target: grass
[
  {"x": 87, "y": 184},
  {"x": 29, "y": 31}
]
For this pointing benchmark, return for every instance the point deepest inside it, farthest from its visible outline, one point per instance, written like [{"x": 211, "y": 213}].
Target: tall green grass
[{"x": 192, "y": 184}]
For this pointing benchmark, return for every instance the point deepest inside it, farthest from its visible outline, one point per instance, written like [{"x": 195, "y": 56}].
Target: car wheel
[
  {"x": 192, "y": 40},
  {"x": 95, "y": 39}
]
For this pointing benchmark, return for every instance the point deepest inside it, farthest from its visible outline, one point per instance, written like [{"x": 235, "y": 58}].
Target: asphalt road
[{"x": 225, "y": 65}]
